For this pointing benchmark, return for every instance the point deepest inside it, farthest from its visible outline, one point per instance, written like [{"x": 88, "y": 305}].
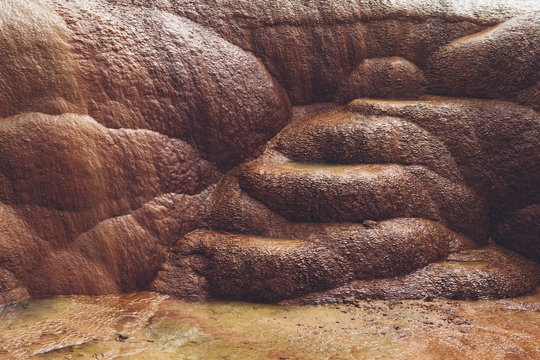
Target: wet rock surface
[
  {"x": 496, "y": 63},
  {"x": 340, "y": 196},
  {"x": 89, "y": 209},
  {"x": 119, "y": 117},
  {"x": 489, "y": 272},
  {"x": 164, "y": 328},
  {"x": 312, "y": 48},
  {"x": 115, "y": 122}
]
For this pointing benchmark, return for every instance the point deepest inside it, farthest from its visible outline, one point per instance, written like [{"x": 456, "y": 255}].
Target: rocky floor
[{"x": 150, "y": 326}]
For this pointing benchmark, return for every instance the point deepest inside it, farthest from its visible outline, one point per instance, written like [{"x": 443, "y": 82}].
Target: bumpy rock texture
[
  {"x": 375, "y": 189},
  {"x": 118, "y": 117},
  {"x": 116, "y": 121}
]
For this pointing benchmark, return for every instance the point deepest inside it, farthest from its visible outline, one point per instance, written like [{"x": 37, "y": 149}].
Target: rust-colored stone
[
  {"x": 303, "y": 213},
  {"x": 118, "y": 117}
]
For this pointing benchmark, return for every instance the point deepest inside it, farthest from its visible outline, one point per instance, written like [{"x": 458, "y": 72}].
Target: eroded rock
[
  {"x": 498, "y": 63},
  {"x": 312, "y": 47},
  {"x": 150, "y": 106},
  {"x": 382, "y": 78},
  {"x": 119, "y": 116},
  {"x": 91, "y": 209},
  {"x": 297, "y": 213}
]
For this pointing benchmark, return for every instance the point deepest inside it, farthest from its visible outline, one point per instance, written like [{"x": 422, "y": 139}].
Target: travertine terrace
[{"x": 280, "y": 151}]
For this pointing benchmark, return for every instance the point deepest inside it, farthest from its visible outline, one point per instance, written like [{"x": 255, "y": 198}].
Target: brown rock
[
  {"x": 117, "y": 117},
  {"x": 11, "y": 290},
  {"x": 382, "y": 78},
  {"x": 36, "y": 70},
  {"x": 130, "y": 67},
  {"x": 209, "y": 263},
  {"x": 497, "y": 63},
  {"x": 149, "y": 69},
  {"x": 297, "y": 212},
  {"x": 488, "y": 273},
  {"x": 311, "y": 48},
  {"x": 106, "y": 206},
  {"x": 92, "y": 204},
  {"x": 370, "y": 224},
  {"x": 520, "y": 231}
]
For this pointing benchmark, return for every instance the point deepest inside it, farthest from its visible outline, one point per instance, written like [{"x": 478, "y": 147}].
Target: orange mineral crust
[{"x": 270, "y": 150}]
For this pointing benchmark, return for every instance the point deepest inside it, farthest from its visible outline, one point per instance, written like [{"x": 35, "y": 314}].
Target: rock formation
[
  {"x": 375, "y": 189},
  {"x": 116, "y": 121},
  {"x": 119, "y": 117}
]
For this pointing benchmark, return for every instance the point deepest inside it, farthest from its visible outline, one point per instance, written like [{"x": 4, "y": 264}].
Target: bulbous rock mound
[
  {"x": 116, "y": 123},
  {"x": 355, "y": 194},
  {"x": 119, "y": 117}
]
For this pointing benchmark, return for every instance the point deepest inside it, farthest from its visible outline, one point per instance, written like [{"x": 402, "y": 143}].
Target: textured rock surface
[
  {"x": 311, "y": 47},
  {"x": 382, "y": 78},
  {"x": 144, "y": 68},
  {"x": 36, "y": 70},
  {"x": 117, "y": 117},
  {"x": 339, "y": 196},
  {"x": 139, "y": 68},
  {"x": 471, "y": 274},
  {"x": 500, "y": 63},
  {"x": 90, "y": 209},
  {"x": 91, "y": 202}
]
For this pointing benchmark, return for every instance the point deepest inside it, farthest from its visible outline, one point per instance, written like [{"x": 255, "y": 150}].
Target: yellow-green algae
[{"x": 150, "y": 326}]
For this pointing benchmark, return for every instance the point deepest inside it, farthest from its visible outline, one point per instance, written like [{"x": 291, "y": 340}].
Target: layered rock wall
[
  {"x": 368, "y": 201},
  {"x": 117, "y": 117},
  {"x": 115, "y": 122},
  {"x": 313, "y": 47}
]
